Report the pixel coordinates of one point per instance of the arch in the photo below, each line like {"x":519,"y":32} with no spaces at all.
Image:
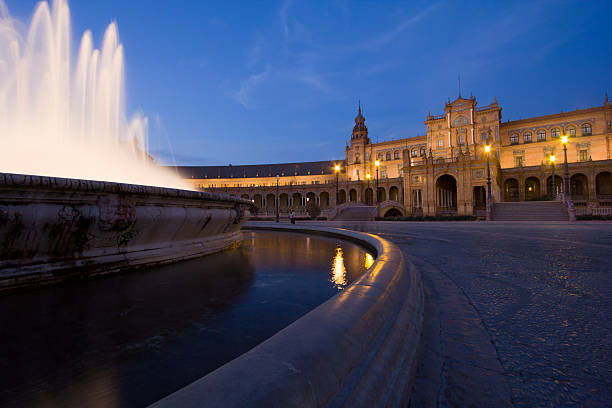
{"x":603,"y":183}
{"x":369,"y":196}
{"x":311,"y":198}
{"x":393,"y":212}
{"x":532,"y":189}
{"x":414,"y":152}
{"x":341,"y":197}
{"x":511,"y":190}
{"x":382,"y":194}
{"x":296,"y":200}
{"x":257,"y":200}
{"x":394,"y":193}
{"x":460,"y":121}
{"x":283,"y":202}
{"x":324,"y":200}
{"x":446,"y":194}
{"x":270,"y":201}
{"x":579,"y":185}
{"x":527,"y":137}
{"x":480,"y":198}
{"x":558,"y":186}
{"x":541,"y":135}
{"x":514,"y":138}
{"x":352,"y":195}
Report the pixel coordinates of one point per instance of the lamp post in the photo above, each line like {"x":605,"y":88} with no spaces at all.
{"x":568,"y":194}
{"x":368,"y":176}
{"x":277,"y":202}
{"x":489,"y":194}
{"x":377,"y":164}
{"x":337,"y":169}
{"x":552,"y":159}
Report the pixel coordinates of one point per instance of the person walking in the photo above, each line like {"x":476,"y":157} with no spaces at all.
{"x":292,"y":217}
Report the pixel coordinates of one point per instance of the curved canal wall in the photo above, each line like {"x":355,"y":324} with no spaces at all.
{"x":359,"y":348}
{"x":53,"y":229}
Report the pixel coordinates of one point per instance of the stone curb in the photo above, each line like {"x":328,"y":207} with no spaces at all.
{"x":359,"y":348}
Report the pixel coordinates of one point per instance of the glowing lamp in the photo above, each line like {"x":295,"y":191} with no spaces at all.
{"x":564,"y":139}
{"x":337,"y":168}
{"x":487,"y":148}
{"x":552,"y":158}
{"x":377,"y":163}
{"x":368,"y":176}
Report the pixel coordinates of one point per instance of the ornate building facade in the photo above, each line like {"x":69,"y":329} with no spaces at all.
{"x":442,"y":172}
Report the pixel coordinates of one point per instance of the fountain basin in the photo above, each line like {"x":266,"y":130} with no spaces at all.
{"x":53,"y":229}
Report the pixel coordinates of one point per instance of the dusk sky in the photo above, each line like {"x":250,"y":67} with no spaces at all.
{"x":270,"y":82}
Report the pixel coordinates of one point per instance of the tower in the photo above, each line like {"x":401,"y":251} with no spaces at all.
{"x":360,"y":131}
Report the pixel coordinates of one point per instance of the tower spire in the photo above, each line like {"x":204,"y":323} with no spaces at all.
{"x":360,"y":107}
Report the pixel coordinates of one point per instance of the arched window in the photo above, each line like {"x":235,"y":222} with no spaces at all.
{"x":396,"y":155}
{"x":527,"y":137}
{"x":388,"y":156}
{"x":423,"y":151}
{"x":587,"y":130}
{"x":554,"y":133}
{"x":541,"y":135}
{"x":357,"y":158}
{"x":414,"y":153}
{"x":379,"y":156}
{"x":460,"y":121}
{"x":514,"y":139}
{"x":571,"y":130}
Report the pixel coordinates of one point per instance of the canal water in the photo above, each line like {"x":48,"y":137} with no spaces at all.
{"x":128,"y":340}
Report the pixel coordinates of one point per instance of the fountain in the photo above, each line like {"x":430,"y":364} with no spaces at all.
{"x":79,"y":194}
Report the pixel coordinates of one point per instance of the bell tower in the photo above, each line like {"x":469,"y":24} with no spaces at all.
{"x":360,"y":131}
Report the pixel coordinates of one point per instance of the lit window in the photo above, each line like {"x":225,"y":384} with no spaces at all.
{"x":388,"y":156}
{"x":396,"y":155}
{"x":554,"y":133}
{"x":583,"y":155}
{"x":541,"y":136}
{"x":527,"y":137}
{"x":514,"y":139}
{"x":571,"y":131}
{"x":414,"y":153}
{"x":423,"y":151}
{"x":587,"y":130}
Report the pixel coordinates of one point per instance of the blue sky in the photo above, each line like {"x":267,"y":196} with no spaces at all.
{"x":279,"y":81}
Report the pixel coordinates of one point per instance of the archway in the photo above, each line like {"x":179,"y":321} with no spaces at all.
{"x":603,"y":183}
{"x":341,"y":197}
{"x":270,"y":202}
{"x":297,"y":200}
{"x":579,"y":186}
{"x":311,"y":198}
{"x":558,"y":186}
{"x":394,"y":193}
{"x":324,"y":200}
{"x":257,"y":200}
{"x":393,"y":212}
{"x":480,"y":198}
{"x":369,"y":196}
{"x":283,"y":202}
{"x":382,"y":194}
{"x":532,"y":189}
{"x":511,"y":190}
{"x":446,"y":193}
{"x":352,"y":195}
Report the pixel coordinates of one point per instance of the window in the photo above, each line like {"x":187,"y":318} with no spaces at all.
{"x":388,"y":156}
{"x":610,"y":125}
{"x":483,"y":137}
{"x":423,"y":151}
{"x":484,"y":118}
{"x":583,"y":155}
{"x":527,"y":137}
{"x":414,"y":153}
{"x":383,"y":172}
{"x":461,"y":140}
{"x":571,"y":131}
{"x":357,"y":158}
{"x":514,"y":139}
{"x":367,"y":157}
{"x":554,"y":133}
{"x":460,"y":121}
{"x":396,"y":155}
{"x":380,"y":156}
{"x":518,"y":161}
{"x":541,"y":136}
{"x":440,"y":142}
{"x":587,"y":130}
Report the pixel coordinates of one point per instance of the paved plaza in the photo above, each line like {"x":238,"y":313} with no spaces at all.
{"x":517,"y":314}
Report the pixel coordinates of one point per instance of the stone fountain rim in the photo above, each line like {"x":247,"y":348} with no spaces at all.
{"x":30,"y":181}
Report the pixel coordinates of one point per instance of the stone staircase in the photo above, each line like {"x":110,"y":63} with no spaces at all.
{"x":357,"y":213}
{"x":530,"y":211}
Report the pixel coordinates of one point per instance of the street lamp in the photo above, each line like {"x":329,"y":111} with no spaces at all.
{"x":567,"y":180}
{"x":368,"y":177}
{"x":487,"y":149}
{"x":552,"y":159}
{"x":337,"y":169}
{"x":277,"y":202}
{"x":377,"y":164}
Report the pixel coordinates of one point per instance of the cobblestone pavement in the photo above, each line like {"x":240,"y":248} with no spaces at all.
{"x":517,"y":313}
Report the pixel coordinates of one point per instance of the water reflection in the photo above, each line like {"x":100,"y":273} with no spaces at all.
{"x":369,"y":260}
{"x":338,"y":272}
{"x":96,"y":343}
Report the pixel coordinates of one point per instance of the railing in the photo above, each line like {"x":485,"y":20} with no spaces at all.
{"x":436,"y":117}
{"x":601,"y":211}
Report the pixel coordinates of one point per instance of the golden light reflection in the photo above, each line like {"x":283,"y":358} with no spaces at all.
{"x":369,"y":260}
{"x":338,"y":272}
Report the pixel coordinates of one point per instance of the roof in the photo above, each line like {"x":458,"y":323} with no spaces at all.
{"x":259,"y":170}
